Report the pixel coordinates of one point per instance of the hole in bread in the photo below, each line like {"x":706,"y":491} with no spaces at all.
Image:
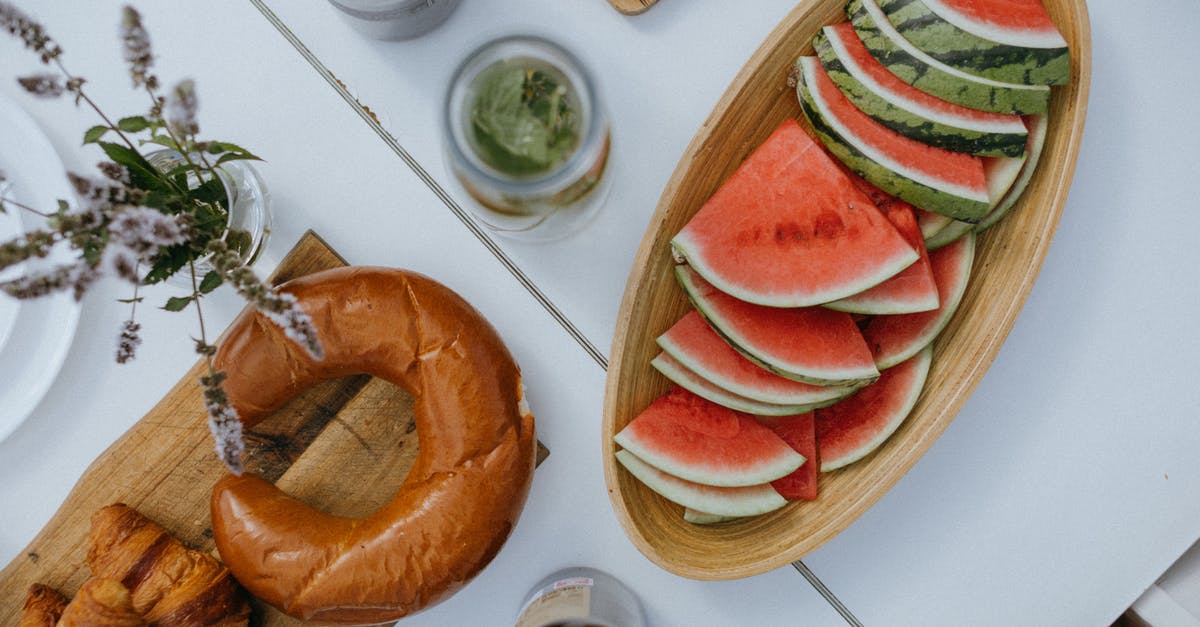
{"x":344,"y":446}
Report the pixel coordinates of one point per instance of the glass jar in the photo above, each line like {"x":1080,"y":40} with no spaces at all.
{"x":527,"y":138}
{"x":581,"y":597}
{"x":249,"y":204}
{"x":394,"y":19}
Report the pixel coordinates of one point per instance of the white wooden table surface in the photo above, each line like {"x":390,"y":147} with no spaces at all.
{"x":1067,"y":484}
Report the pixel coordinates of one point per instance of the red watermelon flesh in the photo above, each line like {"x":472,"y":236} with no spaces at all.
{"x":910,"y":291}
{"x":693,"y":343}
{"x":811,"y":344}
{"x":698,"y":385}
{"x":695,"y":439}
{"x":787,"y":229}
{"x":894,"y":339}
{"x":799,"y":431}
{"x":853,"y":428}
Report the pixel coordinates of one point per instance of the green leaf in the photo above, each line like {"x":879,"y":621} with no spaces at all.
{"x":130,"y":301}
{"x":177,"y":303}
{"x":63,"y":206}
{"x":94,"y":134}
{"x":236,"y":156}
{"x":210,"y":191}
{"x":162,"y":140}
{"x":141,"y":173}
{"x":168,"y":261}
{"x":211,"y":281}
{"x":133,"y":124}
{"x":216,"y":148}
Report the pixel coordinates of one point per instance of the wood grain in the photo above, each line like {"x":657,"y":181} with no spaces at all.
{"x":344,"y":446}
{"x":632,"y":7}
{"x":1007,"y":262}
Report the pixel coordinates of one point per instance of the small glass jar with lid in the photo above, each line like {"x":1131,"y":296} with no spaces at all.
{"x":527,"y":138}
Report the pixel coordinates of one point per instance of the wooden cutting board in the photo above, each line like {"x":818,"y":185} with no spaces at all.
{"x":344,"y":447}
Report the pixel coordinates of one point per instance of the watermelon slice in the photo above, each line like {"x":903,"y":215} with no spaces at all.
{"x":719,"y":501}
{"x":697,"y":517}
{"x":1006,"y":40}
{"x":697,"y":347}
{"x":787,"y":229}
{"x":810,"y":344}
{"x":695,"y":439}
{"x":908,"y":110}
{"x":855,"y":427}
{"x":799,"y":431}
{"x":949,"y":183}
{"x":894,"y":339}
{"x":1037,"y":139}
{"x":698,"y":385}
{"x":1001,"y":173}
{"x":933,"y":77}
{"x":910,"y":291}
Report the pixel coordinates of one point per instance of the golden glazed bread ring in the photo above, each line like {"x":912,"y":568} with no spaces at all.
{"x":466,"y":488}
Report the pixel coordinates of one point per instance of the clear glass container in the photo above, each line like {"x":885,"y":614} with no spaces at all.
{"x":527,"y":138}
{"x":249,"y":205}
{"x":394,"y":19}
{"x":580,"y":597}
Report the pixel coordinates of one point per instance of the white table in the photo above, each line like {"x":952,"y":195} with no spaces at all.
{"x":1066,"y":485}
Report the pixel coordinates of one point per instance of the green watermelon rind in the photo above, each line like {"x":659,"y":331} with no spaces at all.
{"x":743,"y":346}
{"x":973,"y":53}
{"x":924,"y":358}
{"x":931,"y":223}
{"x":728,"y":501}
{"x":905,"y":117}
{"x":948,"y":235}
{"x":914,"y":192}
{"x":933,"y":77}
{"x":698,"y":385}
{"x":1002,"y":178}
{"x":1037,"y":142}
{"x":818,"y":397}
{"x":953,"y":300}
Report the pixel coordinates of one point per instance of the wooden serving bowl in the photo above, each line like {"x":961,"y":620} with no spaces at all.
{"x":1007,"y":261}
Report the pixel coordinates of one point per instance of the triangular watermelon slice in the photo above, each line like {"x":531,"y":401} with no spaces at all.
{"x":698,"y":385}
{"x":910,"y":291}
{"x":787,"y":229}
{"x":851,"y":429}
{"x":800,"y":432}
{"x":811,"y":344}
{"x":894,"y":339}
{"x":718,"y":501}
{"x":695,"y":439}
{"x":695,"y":345}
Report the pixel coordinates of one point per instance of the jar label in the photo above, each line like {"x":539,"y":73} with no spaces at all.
{"x":561,"y":600}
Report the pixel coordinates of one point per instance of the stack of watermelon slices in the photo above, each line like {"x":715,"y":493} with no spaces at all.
{"x":775,"y":382}
{"x":821,"y":276}
{"x":941,"y":103}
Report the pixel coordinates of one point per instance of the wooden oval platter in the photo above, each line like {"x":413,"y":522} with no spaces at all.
{"x":1007,"y":261}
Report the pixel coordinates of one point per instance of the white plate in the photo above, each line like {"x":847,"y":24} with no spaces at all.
{"x":35,"y":335}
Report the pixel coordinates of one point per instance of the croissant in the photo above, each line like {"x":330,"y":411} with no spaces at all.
{"x":101,"y":602}
{"x":43,"y":607}
{"x":169,"y":583}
